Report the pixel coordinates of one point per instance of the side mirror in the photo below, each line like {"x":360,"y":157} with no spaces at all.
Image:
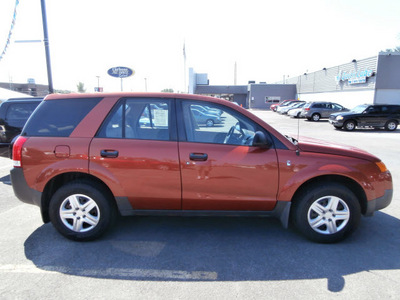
{"x":260,"y":140}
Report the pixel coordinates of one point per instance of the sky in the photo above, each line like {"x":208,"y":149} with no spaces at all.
{"x":266,"y":39}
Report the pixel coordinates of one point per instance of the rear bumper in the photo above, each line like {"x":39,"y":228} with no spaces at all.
{"x":379,"y":203}
{"x":22,"y":189}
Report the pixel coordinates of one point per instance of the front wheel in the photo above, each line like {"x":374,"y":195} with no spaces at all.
{"x":82,"y":210}
{"x":350,"y":125}
{"x":326,"y":213}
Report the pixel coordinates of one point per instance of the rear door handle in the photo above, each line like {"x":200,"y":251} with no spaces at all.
{"x":198,"y":156}
{"x":109,"y":153}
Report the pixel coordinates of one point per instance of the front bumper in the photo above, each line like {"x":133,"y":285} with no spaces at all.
{"x":336,"y":123}
{"x":379,"y":203}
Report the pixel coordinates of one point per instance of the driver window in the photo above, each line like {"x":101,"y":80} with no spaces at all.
{"x":210,"y":123}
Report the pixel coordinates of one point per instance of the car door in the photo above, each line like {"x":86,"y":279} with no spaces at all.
{"x":136,"y":153}
{"x":372,"y":116}
{"x":220,"y":169}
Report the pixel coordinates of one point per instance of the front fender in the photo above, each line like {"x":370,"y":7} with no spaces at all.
{"x":295,"y":170}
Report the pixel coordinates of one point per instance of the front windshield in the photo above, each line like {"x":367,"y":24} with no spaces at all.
{"x":359,"y":109}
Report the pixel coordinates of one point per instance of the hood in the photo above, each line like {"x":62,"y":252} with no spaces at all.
{"x":344,"y":113}
{"x":313,"y":145}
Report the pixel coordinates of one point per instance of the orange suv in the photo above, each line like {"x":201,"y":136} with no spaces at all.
{"x":84,"y":159}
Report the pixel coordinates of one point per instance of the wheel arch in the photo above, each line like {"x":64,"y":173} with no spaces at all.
{"x":348,"y":182}
{"x":55,"y":183}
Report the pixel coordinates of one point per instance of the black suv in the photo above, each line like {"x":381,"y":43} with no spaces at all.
{"x":13,"y":115}
{"x":367,"y":115}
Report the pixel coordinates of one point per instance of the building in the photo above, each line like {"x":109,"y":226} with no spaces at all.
{"x":371,"y":80}
{"x":30,"y":88}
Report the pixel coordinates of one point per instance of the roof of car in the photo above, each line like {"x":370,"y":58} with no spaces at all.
{"x":130,"y":94}
{"x":25,"y":99}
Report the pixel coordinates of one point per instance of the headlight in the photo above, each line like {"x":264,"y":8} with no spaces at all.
{"x":338,"y":118}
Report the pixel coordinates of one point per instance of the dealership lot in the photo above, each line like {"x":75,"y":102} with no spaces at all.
{"x":203,"y":258}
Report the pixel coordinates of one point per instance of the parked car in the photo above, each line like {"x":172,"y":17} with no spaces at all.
{"x":283,"y":110}
{"x":367,"y":115}
{"x":207,"y":110}
{"x":274,"y":107}
{"x":282,"y":104}
{"x":13,"y":115}
{"x":295,"y":112}
{"x":320,"y":110}
{"x":205,"y":118}
{"x":270,"y":102}
{"x":85,"y":158}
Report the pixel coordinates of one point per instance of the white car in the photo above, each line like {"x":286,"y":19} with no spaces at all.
{"x":284,"y":109}
{"x":295,"y":112}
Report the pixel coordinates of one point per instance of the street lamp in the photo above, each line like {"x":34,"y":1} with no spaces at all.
{"x":98,"y":83}
{"x":46,"y":47}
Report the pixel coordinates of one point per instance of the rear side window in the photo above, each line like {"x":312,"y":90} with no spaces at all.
{"x":18,"y":113}
{"x":394,"y":109}
{"x":142,"y":119}
{"x":58,"y":118}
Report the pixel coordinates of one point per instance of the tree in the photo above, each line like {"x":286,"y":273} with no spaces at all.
{"x":81,"y":87}
{"x":167,"y":91}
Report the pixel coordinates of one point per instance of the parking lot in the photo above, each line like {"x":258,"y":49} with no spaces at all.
{"x":206,"y":258}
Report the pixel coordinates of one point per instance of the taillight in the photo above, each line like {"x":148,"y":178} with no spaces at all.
{"x":307,"y":109}
{"x":17,"y":151}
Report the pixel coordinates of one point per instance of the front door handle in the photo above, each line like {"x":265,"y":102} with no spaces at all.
{"x":198,"y":156}
{"x":109,"y":153}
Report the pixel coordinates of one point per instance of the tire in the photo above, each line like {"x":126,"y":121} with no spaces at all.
{"x":209,"y":123}
{"x":316,"y":117}
{"x":82,"y":210}
{"x":326,"y":213}
{"x":350,"y":125}
{"x":391,"y":125}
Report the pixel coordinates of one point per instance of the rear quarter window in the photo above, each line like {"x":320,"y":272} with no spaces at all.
{"x":59,"y":118}
{"x":394,"y":109}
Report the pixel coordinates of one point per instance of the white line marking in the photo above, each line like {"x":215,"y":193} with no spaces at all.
{"x":111,"y":272}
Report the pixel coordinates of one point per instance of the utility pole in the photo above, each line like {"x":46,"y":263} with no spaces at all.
{"x":46,"y":47}
{"x":185,"y":88}
{"x":235,"y":74}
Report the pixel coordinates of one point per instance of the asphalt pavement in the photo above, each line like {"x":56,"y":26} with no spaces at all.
{"x":206,"y":258}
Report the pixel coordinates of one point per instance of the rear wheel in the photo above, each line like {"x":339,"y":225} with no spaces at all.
{"x":316,"y":117}
{"x":391,"y":125}
{"x":209,"y":123}
{"x":350,"y":125}
{"x":82,"y":210}
{"x":326,"y":213}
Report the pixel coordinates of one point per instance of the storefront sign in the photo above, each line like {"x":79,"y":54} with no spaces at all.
{"x":354,"y":77}
{"x":120,"y":72}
